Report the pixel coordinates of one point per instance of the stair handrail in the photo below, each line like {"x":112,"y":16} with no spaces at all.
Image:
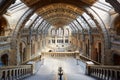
{"x":105,"y":72}
{"x":88,"y":59}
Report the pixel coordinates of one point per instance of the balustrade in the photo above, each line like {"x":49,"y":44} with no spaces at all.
{"x":104,"y":72}
{"x":5,"y":46}
{"x":5,"y":42}
{"x":115,"y":45}
{"x":88,"y":59}
{"x":5,"y":38}
{"x":15,"y":72}
{"x":59,"y":54}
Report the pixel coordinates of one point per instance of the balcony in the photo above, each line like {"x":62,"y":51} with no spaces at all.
{"x":117,"y":38}
{"x":115,"y":44}
{"x":5,"y":38}
{"x":5,"y":42}
{"x":4,"y":45}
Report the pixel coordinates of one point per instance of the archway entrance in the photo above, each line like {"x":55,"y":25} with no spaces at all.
{"x":4,"y":59}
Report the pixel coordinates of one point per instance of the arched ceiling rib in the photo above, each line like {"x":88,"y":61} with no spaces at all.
{"x":60,"y":9}
{"x":59,"y":14}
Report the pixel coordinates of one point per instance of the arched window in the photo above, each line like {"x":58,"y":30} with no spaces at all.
{"x":53,"y":32}
{"x":4,"y":59}
{"x":66,"y":32}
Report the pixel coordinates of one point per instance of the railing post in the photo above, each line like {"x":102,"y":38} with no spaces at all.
{"x":88,"y":72}
{"x":118,"y":74}
{"x":115,"y":75}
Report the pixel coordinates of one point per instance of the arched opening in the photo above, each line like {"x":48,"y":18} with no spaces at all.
{"x":96,"y":55}
{"x":4,"y":59}
{"x":116,"y":59}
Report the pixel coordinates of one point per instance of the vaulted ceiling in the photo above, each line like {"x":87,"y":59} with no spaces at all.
{"x":59,"y":12}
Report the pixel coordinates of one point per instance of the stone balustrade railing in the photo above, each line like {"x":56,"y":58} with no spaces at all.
{"x":5,"y":42}
{"x":83,"y":58}
{"x":59,"y":54}
{"x":115,"y":45}
{"x":4,"y":46}
{"x":117,"y":38}
{"x":15,"y":72}
{"x":104,"y":72}
{"x":5,"y":38}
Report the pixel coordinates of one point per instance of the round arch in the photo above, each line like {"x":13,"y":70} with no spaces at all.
{"x":5,"y":59}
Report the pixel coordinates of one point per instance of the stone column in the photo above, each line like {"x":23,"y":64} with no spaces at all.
{"x":18,"y":52}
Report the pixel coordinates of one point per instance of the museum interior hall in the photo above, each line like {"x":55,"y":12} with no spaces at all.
{"x":59,"y":39}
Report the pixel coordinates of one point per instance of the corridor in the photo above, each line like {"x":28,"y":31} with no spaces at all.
{"x":48,"y":69}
